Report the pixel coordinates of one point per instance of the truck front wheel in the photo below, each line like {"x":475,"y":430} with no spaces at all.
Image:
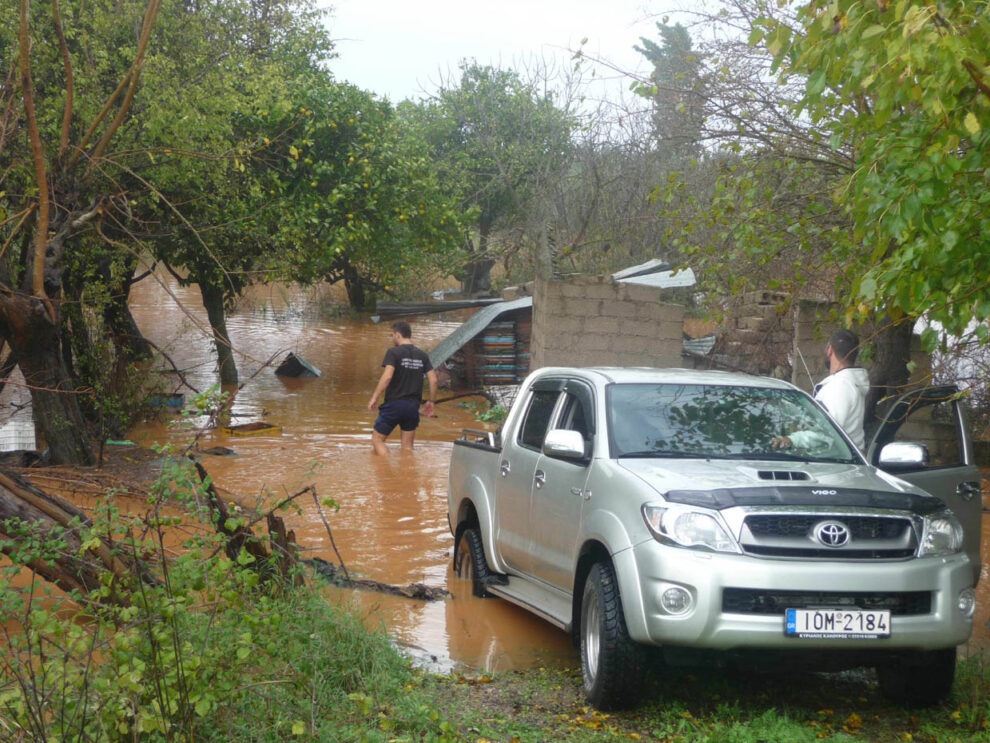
{"x":920,"y":679}
{"x":611,"y":663}
{"x":470,"y":563}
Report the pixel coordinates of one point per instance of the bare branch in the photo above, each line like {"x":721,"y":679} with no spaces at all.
{"x":135,"y":76}
{"x":40,"y":171}
{"x":67,"y":113}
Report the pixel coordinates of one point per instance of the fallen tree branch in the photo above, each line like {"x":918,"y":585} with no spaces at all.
{"x":334,"y":575}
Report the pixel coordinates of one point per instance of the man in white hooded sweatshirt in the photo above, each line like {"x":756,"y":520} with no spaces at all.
{"x":842,"y":393}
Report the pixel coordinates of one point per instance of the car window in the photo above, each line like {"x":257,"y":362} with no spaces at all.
{"x":932,"y":423}
{"x":719,"y":421}
{"x":534,"y":427}
{"x":574,"y":418}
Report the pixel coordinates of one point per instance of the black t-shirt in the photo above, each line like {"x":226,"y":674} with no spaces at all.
{"x":411,"y":365}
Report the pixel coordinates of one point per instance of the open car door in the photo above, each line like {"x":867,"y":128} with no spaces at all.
{"x":934,"y":419}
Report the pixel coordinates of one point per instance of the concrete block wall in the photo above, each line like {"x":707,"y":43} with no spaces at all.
{"x":595,"y":321}
{"x":758,"y":337}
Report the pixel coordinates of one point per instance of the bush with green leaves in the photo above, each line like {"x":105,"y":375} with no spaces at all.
{"x":201,"y":648}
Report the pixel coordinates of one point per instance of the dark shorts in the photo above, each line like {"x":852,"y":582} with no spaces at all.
{"x":401,"y":413}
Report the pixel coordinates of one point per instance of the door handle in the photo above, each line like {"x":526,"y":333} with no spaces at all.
{"x":968,"y":490}
{"x":540,"y":478}
{"x":504,"y":467}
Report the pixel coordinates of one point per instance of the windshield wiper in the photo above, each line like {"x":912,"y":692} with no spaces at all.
{"x":654,"y":454}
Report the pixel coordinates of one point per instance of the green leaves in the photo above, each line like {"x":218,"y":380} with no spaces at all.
{"x":910,"y":101}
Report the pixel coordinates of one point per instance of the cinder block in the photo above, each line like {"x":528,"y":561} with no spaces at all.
{"x":751,"y":323}
{"x":583,"y":307}
{"x":570,"y":324}
{"x":640,"y":328}
{"x":621,"y":309}
{"x":765,"y":296}
{"x":599,"y":324}
{"x":637,"y":293}
{"x":602,"y":291}
{"x":511,"y":293}
{"x":588,"y":342}
{"x":748,"y":337}
{"x":672,"y":330}
{"x":629,"y":344}
{"x":572,"y":289}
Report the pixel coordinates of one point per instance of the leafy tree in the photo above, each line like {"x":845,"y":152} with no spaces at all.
{"x":677,"y":90}
{"x":359,"y":197}
{"x":499,"y":142}
{"x":883,"y":109}
{"x":907,"y":86}
{"x":66,"y":99}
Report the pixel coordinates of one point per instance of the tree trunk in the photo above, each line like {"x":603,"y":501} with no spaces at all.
{"x":889,"y":374}
{"x":356,"y":295}
{"x":478,"y":269}
{"x":213,"y":301}
{"x":25,"y":510}
{"x":127,"y":337}
{"x":35,"y":342}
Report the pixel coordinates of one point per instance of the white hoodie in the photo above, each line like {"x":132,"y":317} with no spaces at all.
{"x":843,"y":395}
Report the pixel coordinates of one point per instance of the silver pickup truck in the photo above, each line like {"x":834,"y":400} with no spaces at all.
{"x":647,"y":507}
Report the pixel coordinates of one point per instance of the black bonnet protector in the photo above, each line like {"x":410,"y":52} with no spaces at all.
{"x":806,"y":496}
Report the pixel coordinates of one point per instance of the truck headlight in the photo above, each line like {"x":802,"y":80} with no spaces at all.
{"x":943,"y":535}
{"x":684,"y":527}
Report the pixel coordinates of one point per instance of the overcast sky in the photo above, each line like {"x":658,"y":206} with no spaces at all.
{"x":401,"y":48}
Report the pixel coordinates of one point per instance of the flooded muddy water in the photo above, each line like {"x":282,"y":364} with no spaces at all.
{"x":391,"y":525}
{"x":392,"y":522}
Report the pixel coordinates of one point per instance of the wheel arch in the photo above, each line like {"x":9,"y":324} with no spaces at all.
{"x":591,"y":552}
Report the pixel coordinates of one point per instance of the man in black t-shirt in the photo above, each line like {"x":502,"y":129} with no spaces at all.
{"x":402,"y":383}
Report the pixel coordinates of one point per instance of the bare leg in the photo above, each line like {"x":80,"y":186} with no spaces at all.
{"x":378,"y":442}
{"x":408,"y":439}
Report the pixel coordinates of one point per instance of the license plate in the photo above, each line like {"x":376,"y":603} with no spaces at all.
{"x":834,"y":624}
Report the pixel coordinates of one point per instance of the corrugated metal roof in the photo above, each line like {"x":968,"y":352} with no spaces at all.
{"x":651,"y":266}
{"x":663,"y":279}
{"x":474,"y":325}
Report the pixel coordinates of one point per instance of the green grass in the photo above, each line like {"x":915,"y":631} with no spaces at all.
{"x":708,"y":705}
{"x":322,"y":676}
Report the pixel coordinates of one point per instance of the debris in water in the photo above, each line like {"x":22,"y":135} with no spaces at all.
{"x":334,"y":575}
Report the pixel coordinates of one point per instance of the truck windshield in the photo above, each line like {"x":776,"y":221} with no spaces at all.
{"x":719,"y":422}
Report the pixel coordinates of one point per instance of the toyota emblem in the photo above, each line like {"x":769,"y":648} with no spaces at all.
{"x":832,"y":534}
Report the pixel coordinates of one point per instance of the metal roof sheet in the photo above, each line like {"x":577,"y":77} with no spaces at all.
{"x":474,"y":325}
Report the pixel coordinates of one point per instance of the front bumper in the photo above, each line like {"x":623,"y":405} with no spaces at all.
{"x":649,"y":568}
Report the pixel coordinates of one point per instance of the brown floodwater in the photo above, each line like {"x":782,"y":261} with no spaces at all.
{"x":392,"y":524}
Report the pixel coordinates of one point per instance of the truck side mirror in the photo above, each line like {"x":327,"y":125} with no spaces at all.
{"x":564,"y":444}
{"x":903,"y":455}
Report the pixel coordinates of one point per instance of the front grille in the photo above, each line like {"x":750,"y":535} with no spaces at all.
{"x":868,"y":537}
{"x":759,"y":601}
{"x":824,"y":553}
{"x":861,"y":527}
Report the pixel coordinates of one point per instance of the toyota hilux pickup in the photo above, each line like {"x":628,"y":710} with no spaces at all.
{"x":648,"y":507}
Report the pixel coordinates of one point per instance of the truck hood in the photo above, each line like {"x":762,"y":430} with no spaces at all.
{"x":723,"y":484}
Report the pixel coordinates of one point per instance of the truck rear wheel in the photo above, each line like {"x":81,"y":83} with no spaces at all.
{"x":918,"y":680}
{"x":470,"y":563}
{"x":611,"y":663}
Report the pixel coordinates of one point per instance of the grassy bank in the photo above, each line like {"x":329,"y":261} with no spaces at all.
{"x":705,"y":705}
{"x":214,"y":648}
{"x":295,"y":668}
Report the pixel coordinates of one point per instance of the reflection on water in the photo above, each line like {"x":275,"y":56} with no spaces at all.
{"x":392,"y":522}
